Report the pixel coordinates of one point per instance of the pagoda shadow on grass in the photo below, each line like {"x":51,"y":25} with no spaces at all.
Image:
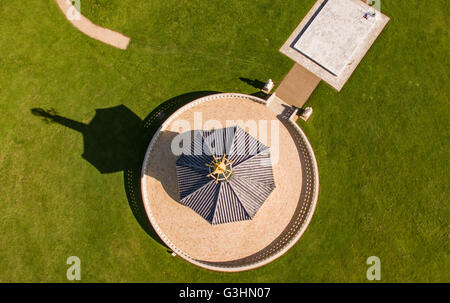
{"x":225,"y":175}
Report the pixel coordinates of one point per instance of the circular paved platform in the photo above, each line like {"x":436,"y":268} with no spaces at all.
{"x":242,"y":245}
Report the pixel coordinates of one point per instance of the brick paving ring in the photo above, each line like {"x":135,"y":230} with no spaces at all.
{"x":280,"y":221}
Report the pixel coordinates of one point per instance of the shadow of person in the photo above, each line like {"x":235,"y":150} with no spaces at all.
{"x":116,"y":140}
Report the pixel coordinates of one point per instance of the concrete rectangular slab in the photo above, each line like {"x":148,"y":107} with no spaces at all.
{"x":334,"y":34}
{"x":333,"y":38}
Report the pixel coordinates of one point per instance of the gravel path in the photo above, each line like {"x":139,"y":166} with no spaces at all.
{"x":90,"y":29}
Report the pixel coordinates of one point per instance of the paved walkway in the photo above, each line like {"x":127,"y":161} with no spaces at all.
{"x":90,"y":29}
{"x":281,"y":108}
{"x":297,"y":86}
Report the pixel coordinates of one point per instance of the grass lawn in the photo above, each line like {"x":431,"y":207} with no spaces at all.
{"x":382,"y":143}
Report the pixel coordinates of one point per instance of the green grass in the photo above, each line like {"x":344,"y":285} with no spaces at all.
{"x":382,"y":143}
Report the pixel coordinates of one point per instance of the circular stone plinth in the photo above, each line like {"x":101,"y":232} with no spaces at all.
{"x":280,"y":221}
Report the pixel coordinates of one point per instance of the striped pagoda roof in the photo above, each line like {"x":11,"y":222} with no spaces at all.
{"x":247,"y":178}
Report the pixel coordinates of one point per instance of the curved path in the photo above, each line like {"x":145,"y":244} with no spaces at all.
{"x":90,"y":29}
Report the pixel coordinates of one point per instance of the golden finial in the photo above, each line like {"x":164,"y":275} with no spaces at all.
{"x":220,"y":169}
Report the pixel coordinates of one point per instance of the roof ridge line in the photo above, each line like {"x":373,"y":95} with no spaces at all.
{"x":237,"y":197}
{"x":197,"y":190}
{"x":213,"y":130}
{"x":255,"y":155}
{"x":242,"y":203}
